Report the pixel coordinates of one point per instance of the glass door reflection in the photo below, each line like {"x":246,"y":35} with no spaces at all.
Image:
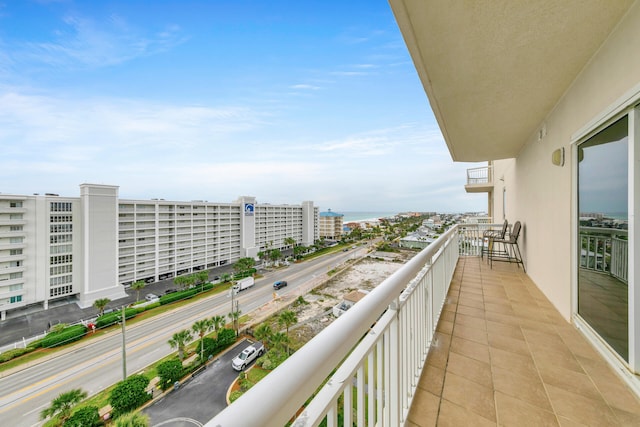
{"x":603,"y":293}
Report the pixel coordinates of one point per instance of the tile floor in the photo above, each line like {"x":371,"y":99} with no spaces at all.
{"x":504,"y":356}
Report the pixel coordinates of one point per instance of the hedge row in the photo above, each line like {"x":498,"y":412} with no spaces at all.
{"x":116,"y":316}
{"x":244,"y":274}
{"x":213,"y":346}
{"x":180,"y":295}
{"x":65,"y":336}
{"x":10,"y":354}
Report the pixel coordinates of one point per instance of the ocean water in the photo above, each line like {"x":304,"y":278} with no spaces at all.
{"x":361,"y":216}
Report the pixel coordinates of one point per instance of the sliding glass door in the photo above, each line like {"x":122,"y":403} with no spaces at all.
{"x":603,"y":255}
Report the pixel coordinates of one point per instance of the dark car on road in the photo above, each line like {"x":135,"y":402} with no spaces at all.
{"x":279,"y":284}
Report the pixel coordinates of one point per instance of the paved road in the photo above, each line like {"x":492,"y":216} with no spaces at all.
{"x":33,"y":321}
{"x":201,"y":398}
{"x":96,"y":365}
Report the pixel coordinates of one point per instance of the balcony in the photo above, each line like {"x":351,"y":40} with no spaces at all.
{"x":446,"y":340}
{"x":479,"y":180}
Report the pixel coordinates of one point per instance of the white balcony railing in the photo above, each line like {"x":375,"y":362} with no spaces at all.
{"x":376,"y":350}
{"x":605,"y":250}
{"x":481,"y":175}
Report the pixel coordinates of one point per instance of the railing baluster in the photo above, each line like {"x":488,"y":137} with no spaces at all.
{"x":361,"y":391}
{"x":372,"y":386}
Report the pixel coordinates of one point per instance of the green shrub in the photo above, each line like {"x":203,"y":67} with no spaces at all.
{"x":225,"y":338}
{"x":129,"y":394}
{"x":169,"y":372}
{"x":234,"y":395}
{"x":16,"y":352}
{"x":65,"y":336}
{"x":89,"y":416}
{"x":151,"y":306}
{"x":244,"y":274}
{"x":115,"y":316}
{"x":209,"y":345}
{"x":177,"y":296}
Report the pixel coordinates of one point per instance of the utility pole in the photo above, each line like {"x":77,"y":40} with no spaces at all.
{"x":124,"y":349}
{"x":236,"y":317}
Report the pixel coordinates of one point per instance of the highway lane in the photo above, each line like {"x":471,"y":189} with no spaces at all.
{"x":97,"y":365}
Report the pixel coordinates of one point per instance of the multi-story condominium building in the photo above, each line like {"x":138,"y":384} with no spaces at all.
{"x":92,"y":246}
{"x":331,"y":225}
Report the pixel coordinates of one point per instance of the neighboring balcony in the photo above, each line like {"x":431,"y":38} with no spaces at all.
{"x":479,"y":180}
{"x":446,"y":340}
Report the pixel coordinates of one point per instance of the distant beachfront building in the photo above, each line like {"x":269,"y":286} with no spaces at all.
{"x":331,"y":225}
{"x":90,"y":247}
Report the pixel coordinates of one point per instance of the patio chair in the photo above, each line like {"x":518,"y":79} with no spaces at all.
{"x":511,"y":250}
{"x":488,"y":237}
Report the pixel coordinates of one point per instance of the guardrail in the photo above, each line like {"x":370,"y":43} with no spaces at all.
{"x":605,"y":250}
{"x":481,"y":175}
{"x":376,"y":352}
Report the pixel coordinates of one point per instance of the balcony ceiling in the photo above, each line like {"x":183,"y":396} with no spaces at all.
{"x":493,"y":70}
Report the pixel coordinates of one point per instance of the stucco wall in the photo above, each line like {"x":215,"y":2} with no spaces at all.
{"x":539,"y":194}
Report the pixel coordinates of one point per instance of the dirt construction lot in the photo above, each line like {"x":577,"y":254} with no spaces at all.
{"x":365,"y":275}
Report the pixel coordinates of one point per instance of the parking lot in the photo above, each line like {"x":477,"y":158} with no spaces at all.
{"x":200,"y":398}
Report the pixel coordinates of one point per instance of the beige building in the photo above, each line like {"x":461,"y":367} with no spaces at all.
{"x":548,"y":92}
{"x":331,"y":225}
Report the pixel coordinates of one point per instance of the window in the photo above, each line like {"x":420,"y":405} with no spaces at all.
{"x":60,"y":259}
{"x":17,"y":298}
{"x":16,"y":240}
{"x":61,"y":249}
{"x":62,"y":290}
{"x":15,"y":216}
{"x":15,"y":252}
{"x":60,"y":269}
{"x":60,"y":280}
{"x":15,"y":264}
{"x":60,"y":238}
{"x":17,"y":275}
{"x":15,"y":204}
{"x":15,"y":287}
{"x":61,"y":207}
{"x":61,"y":228}
{"x":15,"y":228}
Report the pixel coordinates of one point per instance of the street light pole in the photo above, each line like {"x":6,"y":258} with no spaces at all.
{"x":124,"y":350}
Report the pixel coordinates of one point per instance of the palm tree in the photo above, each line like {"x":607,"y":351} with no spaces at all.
{"x":218,"y":322}
{"x":201,"y":327}
{"x":180,"y":340}
{"x":137,"y":286}
{"x":263,"y":332}
{"x":277,"y":340}
{"x":225,"y":277}
{"x":234,"y":316}
{"x":132,"y":419}
{"x":100,"y":304}
{"x":180,"y":281}
{"x":202,"y":277}
{"x":63,"y":404}
{"x":287,"y":318}
{"x":290,"y":241}
{"x":189,"y":280}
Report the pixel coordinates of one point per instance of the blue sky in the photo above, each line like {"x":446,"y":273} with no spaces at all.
{"x":282,"y":100}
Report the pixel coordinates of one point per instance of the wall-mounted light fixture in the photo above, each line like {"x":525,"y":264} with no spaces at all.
{"x":557,"y":157}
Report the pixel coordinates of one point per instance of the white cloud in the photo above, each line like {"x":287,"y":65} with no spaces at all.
{"x":305,"y":87}
{"x":81,"y":42}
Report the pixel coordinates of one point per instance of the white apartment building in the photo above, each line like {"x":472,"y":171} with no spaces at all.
{"x":92,"y":246}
